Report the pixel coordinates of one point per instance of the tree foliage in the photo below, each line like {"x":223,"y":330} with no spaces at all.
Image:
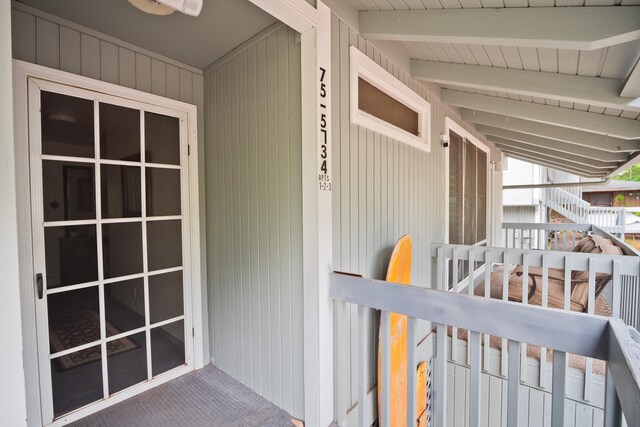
{"x":631,"y":174}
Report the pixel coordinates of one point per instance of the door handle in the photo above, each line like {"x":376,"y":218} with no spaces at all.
{"x":39,"y":285}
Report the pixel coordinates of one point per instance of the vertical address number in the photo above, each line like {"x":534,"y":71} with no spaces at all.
{"x":324,"y":180}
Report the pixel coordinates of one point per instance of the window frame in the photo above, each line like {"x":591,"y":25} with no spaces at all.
{"x":365,"y":68}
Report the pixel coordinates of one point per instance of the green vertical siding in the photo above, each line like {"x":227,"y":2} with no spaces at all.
{"x":254,"y":216}
{"x":382,"y":189}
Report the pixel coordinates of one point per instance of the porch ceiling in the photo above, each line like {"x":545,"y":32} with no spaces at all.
{"x":196,"y":41}
{"x":554,"y":85}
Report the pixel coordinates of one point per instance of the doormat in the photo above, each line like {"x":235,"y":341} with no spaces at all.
{"x":71,"y":330}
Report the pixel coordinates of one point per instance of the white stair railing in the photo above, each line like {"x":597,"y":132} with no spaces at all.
{"x":611,"y":219}
{"x":566,"y":204}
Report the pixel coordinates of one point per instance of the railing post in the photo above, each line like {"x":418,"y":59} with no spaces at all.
{"x":513,"y":383}
{"x":474,"y":381}
{"x":440,"y":392}
{"x":411,"y":372}
{"x":362,"y":367}
{"x":558,"y":388}
{"x":385,"y":399}
{"x":612,"y":408}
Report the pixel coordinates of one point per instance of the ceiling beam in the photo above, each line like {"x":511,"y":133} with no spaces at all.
{"x":632,"y":82}
{"x":557,"y":146}
{"x":584,"y":28}
{"x":605,"y":147}
{"x":635,"y":159}
{"x":572,"y":159}
{"x":595,"y":91}
{"x":558,"y":166}
{"x":534,"y":149}
{"x":559,"y":116}
{"x":555,"y":161}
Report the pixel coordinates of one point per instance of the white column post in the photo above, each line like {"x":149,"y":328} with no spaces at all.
{"x":12,"y":395}
{"x":316,"y":215}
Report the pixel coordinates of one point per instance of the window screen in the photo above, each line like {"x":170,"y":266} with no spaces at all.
{"x":470,"y":193}
{"x":482,"y":195}
{"x":456,"y":147}
{"x":467,"y":192}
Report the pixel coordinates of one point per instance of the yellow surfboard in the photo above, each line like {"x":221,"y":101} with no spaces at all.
{"x":399,"y":271}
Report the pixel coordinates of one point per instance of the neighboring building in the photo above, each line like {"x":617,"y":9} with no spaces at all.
{"x":614,"y":193}
{"x":528,"y":204}
{"x":522,"y":205}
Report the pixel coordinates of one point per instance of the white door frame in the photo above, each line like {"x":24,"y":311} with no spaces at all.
{"x":314,"y":25}
{"x":22,"y":71}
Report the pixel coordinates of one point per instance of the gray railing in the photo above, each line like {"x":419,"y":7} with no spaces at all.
{"x":565,"y":332}
{"x":625,"y":301}
{"x":565,"y":263}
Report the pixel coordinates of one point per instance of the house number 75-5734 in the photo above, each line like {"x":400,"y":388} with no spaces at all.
{"x":324,"y":180}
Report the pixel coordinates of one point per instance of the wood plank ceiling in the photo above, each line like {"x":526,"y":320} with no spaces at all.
{"x":556,"y":82}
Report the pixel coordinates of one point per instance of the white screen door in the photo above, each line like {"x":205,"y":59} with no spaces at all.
{"x":109,"y":195}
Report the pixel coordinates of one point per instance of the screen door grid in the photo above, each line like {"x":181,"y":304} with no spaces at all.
{"x":113,"y":246}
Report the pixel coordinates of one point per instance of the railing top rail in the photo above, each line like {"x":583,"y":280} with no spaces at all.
{"x":564,"y":226}
{"x":624,"y":363}
{"x":606,"y":208}
{"x":603,"y":263}
{"x":581,"y":334}
{"x":568,"y":197}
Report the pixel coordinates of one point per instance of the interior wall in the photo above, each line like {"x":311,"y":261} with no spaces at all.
{"x":382,"y":189}
{"x":254,"y":223}
{"x":44,"y":39}
{"x":12,"y":398}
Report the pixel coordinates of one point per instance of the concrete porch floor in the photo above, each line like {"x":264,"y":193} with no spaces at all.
{"x":205,"y":398}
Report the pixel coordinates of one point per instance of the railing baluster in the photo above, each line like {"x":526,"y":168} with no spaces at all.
{"x":558,"y":388}
{"x":505,"y":296}
{"x":470,"y":290}
{"x":567,"y":284}
{"x":362,"y":368}
{"x":522,"y":238}
{"x":617,"y":287}
{"x":487,"y":294}
{"x":591,"y":303}
{"x":513,"y":383}
{"x":474,"y":381}
{"x":545,"y":299}
{"x":454,"y":330}
{"x":525,"y":300}
{"x":440,"y":269}
{"x":411,"y":372}
{"x":385,"y":399}
{"x":440,"y":392}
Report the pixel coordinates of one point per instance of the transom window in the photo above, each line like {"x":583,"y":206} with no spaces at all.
{"x":384,"y":104}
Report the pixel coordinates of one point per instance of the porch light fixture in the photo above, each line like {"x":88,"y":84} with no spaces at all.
{"x":167,"y":7}
{"x":152,"y":7}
